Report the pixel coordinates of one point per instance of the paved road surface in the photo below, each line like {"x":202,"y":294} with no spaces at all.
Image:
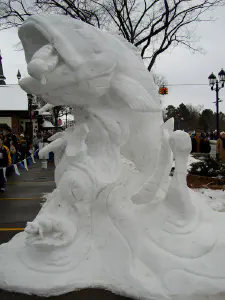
{"x":213,"y":150}
{"x":85,"y":294}
{"x":21,"y":202}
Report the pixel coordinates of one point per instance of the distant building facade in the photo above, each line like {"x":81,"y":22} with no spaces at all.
{"x":14,"y":106}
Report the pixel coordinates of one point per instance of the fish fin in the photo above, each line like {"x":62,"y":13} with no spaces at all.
{"x":168,"y":125}
{"x":168,"y":128}
{"x":56,"y":144}
{"x":77,"y":144}
{"x":151,"y":187}
{"x":55,"y":136}
{"x":134,"y":94}
{"x":128,"y":44}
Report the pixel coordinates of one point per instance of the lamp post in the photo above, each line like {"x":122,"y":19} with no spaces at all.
{"x":30,"y":103}
{"x":216,"y":86}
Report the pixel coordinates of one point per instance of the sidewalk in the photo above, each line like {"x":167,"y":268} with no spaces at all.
{"x":21,"y":202}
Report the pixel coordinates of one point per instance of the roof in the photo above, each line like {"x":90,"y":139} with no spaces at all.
{"x":5,"y":126}
{"x":46,"y":113}
{"x":13,"y":98}
{"x":47,"y":124}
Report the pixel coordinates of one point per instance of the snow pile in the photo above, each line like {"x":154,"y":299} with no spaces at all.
{"x":214,"y":198}
{"x":192,"y":160}
{"x":47,"y":124}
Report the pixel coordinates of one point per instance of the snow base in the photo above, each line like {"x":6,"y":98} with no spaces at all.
{"x":110,"y":258}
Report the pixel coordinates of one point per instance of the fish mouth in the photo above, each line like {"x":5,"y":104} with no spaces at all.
{"x":40,"y":42}
{"x":33,"y":37}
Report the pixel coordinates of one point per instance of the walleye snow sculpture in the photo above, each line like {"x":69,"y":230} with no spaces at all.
{"x":115,"y":220}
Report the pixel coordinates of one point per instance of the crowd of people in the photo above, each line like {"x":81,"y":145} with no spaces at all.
{"x":15,"y":148}
{"x":220,"y":147}
{"x":200,"y":142}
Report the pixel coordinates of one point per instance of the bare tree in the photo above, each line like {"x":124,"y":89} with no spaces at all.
{"x":152,"y":26}
{"x":40,"y":102}
{"x":194,"y":113}
{"x":14,"y":12}
{"x":159,"y":80}
{"x":56,"y":112}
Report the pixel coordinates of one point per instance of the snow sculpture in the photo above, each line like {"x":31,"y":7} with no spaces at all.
{"x":115,"y":220}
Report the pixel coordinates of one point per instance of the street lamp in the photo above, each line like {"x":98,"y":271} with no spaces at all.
{"x":222,"y":76}
{"x":213,"y":81}
{"x":30,"y":102}
{"x":30,"y":105}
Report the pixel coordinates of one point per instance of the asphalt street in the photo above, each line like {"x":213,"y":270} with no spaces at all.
{"x":213,"y":150}
{"x":21,"y":201}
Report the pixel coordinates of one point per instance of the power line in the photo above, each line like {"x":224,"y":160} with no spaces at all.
{"x":179,"y":84}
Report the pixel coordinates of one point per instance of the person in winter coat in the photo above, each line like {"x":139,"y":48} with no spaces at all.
{"x":196,"y":143}
{"x":22,"y":148}
{"x":205,"y":145}
{"x":8,"y":137}
{"x":220,"y":147}
{"x":200,"y":143}
{"x":12,"y":149}
{"x":5,"y":160}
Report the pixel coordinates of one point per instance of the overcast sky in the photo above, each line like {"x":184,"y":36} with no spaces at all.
{"x":179,"y":66}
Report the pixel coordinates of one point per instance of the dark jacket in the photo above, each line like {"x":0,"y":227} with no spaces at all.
{"x":10,"y":137}
{"x":4,"y":160}
{"x":196,"y":144}
{"x":204,"y":146}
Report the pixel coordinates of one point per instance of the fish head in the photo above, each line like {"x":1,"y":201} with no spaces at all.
{"x":68,"y":61}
